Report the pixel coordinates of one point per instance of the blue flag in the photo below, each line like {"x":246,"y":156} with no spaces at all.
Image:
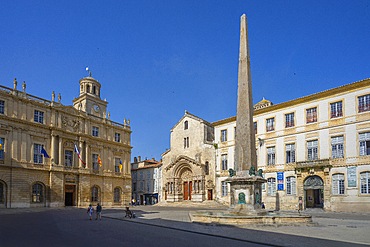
{"x":43,"y":151}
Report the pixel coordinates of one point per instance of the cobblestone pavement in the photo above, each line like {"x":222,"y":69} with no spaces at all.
{"x":347,"y":229}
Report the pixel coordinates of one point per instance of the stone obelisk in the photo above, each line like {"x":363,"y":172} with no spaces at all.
{"x":245,"y":186}
{"x":245,"y":146}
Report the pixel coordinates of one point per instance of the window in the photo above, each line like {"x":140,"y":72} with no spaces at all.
{"x":186,"y":125}
{"x":95,"y":164}
{"x":117,"y":195}
{"x":95,"y":194}
{"x":68,"y":158}
{"x":95,"y":131}
{"x":38,"y":116}
{"x":37,"y":155}
{"x":271,"y":186}
{"x":290,"y":185}
{"x":117,"y":162}
{"x":365,"y":182}
{"x":311,"y":115}
{"x":2,"y":148}
{"x":312,"y":150}
{"x":186,"y":142}
{"x":224,"y":162}
{"x":255,"y":127}
{"x":289,"y":120}
{"x":338,"y":184}
{"x":270,"y":124}
{"x":2,"y":106}
{"x":223,"y":135}
{"x":290,"y":153}
{"x":117,"y":137}
{"x":270,"y":156}
{"x":37,"y":193}
{"x":364,"y":143}
{"x":336,"y":109}
{"x":134,"y":187}
{"x":206,"y":168}
{"x":94,"y":89}
{"x":364,"y":103}
{"x":223,"y":188}
{"x":337,"y":147}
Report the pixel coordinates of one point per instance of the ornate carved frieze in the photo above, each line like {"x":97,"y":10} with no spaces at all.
{"x":71,"y":124}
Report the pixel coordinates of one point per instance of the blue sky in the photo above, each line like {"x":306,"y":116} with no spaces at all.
{"x":156,"y":59}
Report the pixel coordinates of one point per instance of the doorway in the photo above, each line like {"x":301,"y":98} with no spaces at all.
{"x":69,"y":195}
{"x":188,"y":186}
{"x":210,"y":195}
{"x":314,"y":192}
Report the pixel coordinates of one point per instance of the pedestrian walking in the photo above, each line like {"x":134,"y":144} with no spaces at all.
{"x":90,"y":211}
{"x":98,"y":211}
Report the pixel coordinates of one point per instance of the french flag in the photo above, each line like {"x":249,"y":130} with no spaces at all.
{"x":79,"y":156}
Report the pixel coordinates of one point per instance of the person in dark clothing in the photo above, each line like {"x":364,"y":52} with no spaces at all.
{"x":98,"y":211}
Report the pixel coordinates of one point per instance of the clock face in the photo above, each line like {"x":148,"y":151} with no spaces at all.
{"x":96,"y":108}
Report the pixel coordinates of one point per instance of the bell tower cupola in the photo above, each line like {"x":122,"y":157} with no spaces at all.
{"x":89,"y":100}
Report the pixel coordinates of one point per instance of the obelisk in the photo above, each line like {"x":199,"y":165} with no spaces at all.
{"x":245,"y":146}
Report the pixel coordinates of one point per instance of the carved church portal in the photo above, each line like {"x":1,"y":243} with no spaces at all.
{"x":314,"y":192}
{"x":186,"y":178}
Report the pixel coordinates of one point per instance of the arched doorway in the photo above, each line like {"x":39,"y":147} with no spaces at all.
{"x":2,"y":194}
{"x":314,"y":192}
{"x":187,"y":183}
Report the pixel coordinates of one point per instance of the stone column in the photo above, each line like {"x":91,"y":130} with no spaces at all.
{"x":60,"y":151}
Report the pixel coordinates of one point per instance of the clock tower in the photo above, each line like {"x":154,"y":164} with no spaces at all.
{"x":89,"y":99}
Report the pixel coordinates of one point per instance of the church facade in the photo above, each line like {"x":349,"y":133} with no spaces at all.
{"x":53,"y":155}
{"x":315,"y":148}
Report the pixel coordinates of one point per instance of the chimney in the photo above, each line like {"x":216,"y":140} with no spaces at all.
{"x":139,"y":158}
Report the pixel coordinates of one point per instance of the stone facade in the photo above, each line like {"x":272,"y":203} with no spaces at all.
{"x":53,"y":155}
{"x":316,"y":147}
{"x":188,"y":166}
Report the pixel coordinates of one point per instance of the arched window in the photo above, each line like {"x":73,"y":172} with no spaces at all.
{"x":117,"y":195}
{"x":95,"y":194}
{"x":186,"y":125}
{"x":82,"y":88}
{"x":271,"y":186}
{"x":87,"y":88}
{"x":94,"y":90}
{"x":37,"y":193}
{"x":365,"y":182}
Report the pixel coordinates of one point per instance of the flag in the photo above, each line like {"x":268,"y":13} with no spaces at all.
{"x":78,"y":154}
{"x":43,"y":151}
{"x":99,"y":160}
{"x":120,"y":165}
{"x":1,"y":146}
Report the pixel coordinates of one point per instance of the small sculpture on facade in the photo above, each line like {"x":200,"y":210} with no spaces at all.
{"x":24,"y":86}
{"x":259,"y":172}
{"x":232,"y":172}
{"x":53,"y":96}
{"x":15,"y":84}
{"x":252,"y":171}
{"x":59,"y":98}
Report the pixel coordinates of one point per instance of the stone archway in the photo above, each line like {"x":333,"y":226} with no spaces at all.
{"x":314,"y":192}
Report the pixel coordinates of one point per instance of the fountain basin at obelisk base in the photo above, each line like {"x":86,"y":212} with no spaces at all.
{"x":249,"y":210}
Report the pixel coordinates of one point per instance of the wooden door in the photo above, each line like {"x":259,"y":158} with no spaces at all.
{"x":190,"y":189}
{"x":210,"y":195}
{"x":186,"y":190}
